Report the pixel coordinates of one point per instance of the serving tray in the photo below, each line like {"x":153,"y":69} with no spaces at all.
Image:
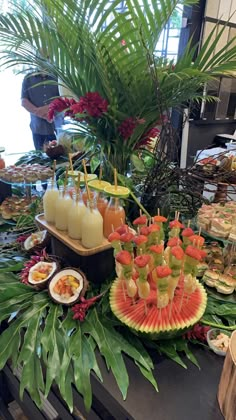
{"x":73,"y":244}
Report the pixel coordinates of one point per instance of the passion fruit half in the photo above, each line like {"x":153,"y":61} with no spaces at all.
{"x":67,"y":286}
{"x":41,"y":273}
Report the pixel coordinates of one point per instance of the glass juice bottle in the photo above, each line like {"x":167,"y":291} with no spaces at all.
{"x":75,"y":215}
{"x":49,"y":201}
{"x":102,"y":203}
{"x":114,"y":216}
{"x":85,"y":195}
{"x":92,"y":226}
{"x":63,"y":205}
{"x":71,"y":186}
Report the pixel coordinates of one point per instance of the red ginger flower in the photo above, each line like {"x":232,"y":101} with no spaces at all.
{"x":187,"y":232}
{"x":141,"y":220}
{"x":193,"y":252}
{"x":123,"y":257}
{"x":159,"y":218}
{"x":198,"y":332}
{"x":126,"y":128}
{"x":176,"y":224}
{"x":144,"y":231}
{"x":80,"y":309}
{"x":177,"y":252}
{"x":92,"y":104}
{"x":140,"y":239}
{"x":142,"y":260}
{"x":114,"y":236}
{"x":60,"y":105}
{"x":163,"y":271}
{"x":157,"y":249}
{"x":174,"y":241}
{"x":147,"y":137}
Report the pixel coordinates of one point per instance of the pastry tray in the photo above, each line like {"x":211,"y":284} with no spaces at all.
{"x":74,"y":244}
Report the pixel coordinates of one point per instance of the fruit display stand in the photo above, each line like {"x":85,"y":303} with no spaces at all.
{"x":97,"y":263}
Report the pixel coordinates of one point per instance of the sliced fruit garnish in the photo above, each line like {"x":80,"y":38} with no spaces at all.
{"x":74,"y":174}
{"x":118,"y":191}
{"x":97,"y":185}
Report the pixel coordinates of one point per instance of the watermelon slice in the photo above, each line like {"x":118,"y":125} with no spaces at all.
{"x":158,"y":323}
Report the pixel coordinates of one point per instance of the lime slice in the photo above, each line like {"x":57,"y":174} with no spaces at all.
{"x":118,"y":191}
{"x":97,"y":185}
{"x":74,"y":174}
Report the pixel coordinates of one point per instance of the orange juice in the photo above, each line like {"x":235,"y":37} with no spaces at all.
{"x":114,"y":217}
{"x":102,"y":204}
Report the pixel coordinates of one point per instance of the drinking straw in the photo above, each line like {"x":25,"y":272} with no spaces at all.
{"x":71,"y":164}
{"x":189,"y":221}
{"x":158,"y":211}
{"x":65,"y":181}
{"x":85,"y":169}
{"x":78,"y":188}
{"x":53,"y":173}
{"x":115,"y":178}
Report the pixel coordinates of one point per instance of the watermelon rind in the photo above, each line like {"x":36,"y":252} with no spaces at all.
{"x":152,"y":323}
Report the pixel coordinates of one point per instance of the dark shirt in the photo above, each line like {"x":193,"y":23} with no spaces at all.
{"x":39,"y":96}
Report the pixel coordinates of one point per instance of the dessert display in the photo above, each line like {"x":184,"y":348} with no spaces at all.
{"x":14,"y":206}
{"x":25,"y":173}
{"x":66,"y":286}
{"x":156,"y":290}
{"x":41,"y":273}
{"x":53,"y":149}
{"x":218,"y":219}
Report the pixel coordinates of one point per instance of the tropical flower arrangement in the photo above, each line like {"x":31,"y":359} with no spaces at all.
{"x":114,"y":140}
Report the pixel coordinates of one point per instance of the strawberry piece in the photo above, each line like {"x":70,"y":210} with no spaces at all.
{"x":127,"y":237}
{"x":163,"y":271}
{"x":174,"y":241}
{"x":141,"y":220}
{"x":142,"y":260}
{"x":144,"y":231}
{"x":158,"y":249}
{"x":197,"y":240}
{"x":114,"y":236}
{"x":177,"y":252}
{"x":122,"y":229}
{"x":193,"y":252}
{"x":159,"y":219}
{"x":176,"y":224}
{"x":187,"y":232}
{"x":123,"y":257}
{"x":140,"y":239}
{"x":153,"y":228}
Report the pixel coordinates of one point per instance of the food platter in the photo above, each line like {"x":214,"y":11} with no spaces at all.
{"x":73,"y":244}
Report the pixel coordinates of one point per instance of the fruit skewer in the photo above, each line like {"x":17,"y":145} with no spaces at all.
{"x":141,"y":264}
{"x":124,"y":258}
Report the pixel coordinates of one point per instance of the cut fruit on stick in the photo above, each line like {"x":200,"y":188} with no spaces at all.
{"x":117,"y":191}
{"x":97,"y":185}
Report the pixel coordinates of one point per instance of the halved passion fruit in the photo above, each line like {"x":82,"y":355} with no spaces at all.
{"x":36,"y":241}
{"x":67,"y":286}
{"x":41,"y":273}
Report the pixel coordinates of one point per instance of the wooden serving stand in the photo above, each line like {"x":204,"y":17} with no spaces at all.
{"x":227,"y":386}
{"x":97,"y":263}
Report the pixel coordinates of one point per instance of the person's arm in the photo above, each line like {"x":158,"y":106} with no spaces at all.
{"x":41,"y":111}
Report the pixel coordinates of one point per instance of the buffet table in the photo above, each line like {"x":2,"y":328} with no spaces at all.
{"x":184,"y":394}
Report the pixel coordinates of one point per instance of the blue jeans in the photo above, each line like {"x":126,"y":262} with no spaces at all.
{"x":40,"y":139}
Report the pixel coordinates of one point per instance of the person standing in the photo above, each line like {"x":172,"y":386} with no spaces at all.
{"x":36,"y":94}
